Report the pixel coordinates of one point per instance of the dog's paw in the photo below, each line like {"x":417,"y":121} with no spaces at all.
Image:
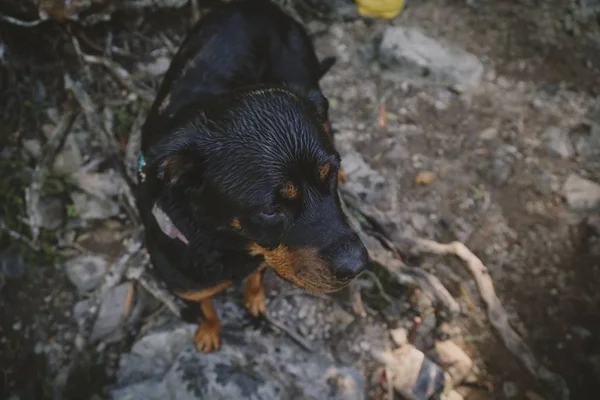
{"x":254,"y":301}
{"x":207,"y":338}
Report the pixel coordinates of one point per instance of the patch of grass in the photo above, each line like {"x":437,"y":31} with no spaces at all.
{"x":72,"y":211}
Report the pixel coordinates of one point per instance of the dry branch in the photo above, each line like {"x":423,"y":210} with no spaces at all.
{"x":496,"y":312}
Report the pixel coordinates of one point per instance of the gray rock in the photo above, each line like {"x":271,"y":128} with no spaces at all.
{"x":92,"y":207}
{"x":558,"y":142}
{"x":86,"y":272}
{"x":581,"y":194}
{"x":250,"y":365}
{"x":33,"y":147}
{"x":69,"y":160}
{"x":361,"y":178}
{"x":80,"y":308}
{"x":587,"y":145}
{"x":52,"y":213}
{"x":408,"y":54}
{"x":113,"y":312}
{"x":499,"y":169}
{"x":101,"y":185}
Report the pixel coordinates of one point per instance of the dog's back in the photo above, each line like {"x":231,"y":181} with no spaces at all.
{"x":238,"y":44}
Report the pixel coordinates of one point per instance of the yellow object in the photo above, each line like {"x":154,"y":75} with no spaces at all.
{"x":379,"y":8}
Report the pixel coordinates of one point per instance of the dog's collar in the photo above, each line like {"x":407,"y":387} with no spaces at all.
{"x":166,"y":225}
{"x":162,"y":219}
{"x":141,"y":168}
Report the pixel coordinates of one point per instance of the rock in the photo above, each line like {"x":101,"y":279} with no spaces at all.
{"x":510,"y":390}
{"x":69,"y":160}
{"x":499,"y":169}
{"x":80,"y":308}
{"x":453,"y":360}
{"x":156,"y":67}
{"x":86,"y":272}
{"x":586,"y":138}
{"x":399,"y":336}
{"x":33,"y":147}
{"x":340,"y":319}
{"x":51,"y":212}
{"x":249,"y":365}
{"x":91,"y":207}
{"x":558,"y":142}
{"x":361,"y":178}
{"x":581,"y":194}
{"x":101,"y":185}
{"x":113,"y":313}
{"x":408,"y":54}
{"x":412,"y":374}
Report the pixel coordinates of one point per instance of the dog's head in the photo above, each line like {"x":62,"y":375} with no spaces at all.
{"x":261,"y":163}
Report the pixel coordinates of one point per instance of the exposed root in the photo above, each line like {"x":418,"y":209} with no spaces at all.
{"x":496,"y":312}
{"x":355,"y":298}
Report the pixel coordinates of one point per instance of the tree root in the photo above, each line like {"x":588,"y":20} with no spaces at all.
{"x":496,"y":313}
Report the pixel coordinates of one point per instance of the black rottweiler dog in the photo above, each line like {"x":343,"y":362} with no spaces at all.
{"x":238,"y":169}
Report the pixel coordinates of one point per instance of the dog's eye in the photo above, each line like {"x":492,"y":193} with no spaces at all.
{"x":270,"y":214}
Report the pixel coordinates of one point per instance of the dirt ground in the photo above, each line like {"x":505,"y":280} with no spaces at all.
{"x":498,"y":188}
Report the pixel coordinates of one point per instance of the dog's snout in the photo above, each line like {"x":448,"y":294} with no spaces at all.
{"x":348,"y":259}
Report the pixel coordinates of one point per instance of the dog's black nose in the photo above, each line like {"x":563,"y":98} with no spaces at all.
{"x":350,"y":260}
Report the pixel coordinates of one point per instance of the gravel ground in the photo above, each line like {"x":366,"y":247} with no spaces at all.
{"x":509,"y":166}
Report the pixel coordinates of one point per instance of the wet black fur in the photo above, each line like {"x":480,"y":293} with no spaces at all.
{"x":221,"y":149}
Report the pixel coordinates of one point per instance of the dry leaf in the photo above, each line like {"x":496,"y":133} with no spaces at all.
{"x":425,"y":178}
{"x":382,"y":117}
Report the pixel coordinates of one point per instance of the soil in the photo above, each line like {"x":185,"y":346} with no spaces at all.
{"x":542,"y":69}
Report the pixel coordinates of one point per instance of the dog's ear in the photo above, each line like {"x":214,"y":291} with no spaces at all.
{"x":173,"y":167}
{"x":176,"y":159}
{"x":325,"y":65}
{"x":319,"y":101}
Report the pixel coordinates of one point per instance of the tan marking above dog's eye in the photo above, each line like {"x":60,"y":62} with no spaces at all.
{"x":289,"y":191}
{"x":324,"y":171}
{"x":235,"y":224}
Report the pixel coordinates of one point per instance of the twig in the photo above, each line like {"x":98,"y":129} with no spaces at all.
{"x":34,"y":191}
{"x":496,"y":312}
{"x":17,"y":236}
{"x":382,"y":291}
{"x":355,"y":298}
{"x":90,"y":110}
{"x":297,"y":338}
{"x":95,"y":124}
{"x":26,"y":24}
{"x":148,"y":282}
{"x":195,"y":11}
{"x":120,"y":74}
{"x":389,"y":259}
